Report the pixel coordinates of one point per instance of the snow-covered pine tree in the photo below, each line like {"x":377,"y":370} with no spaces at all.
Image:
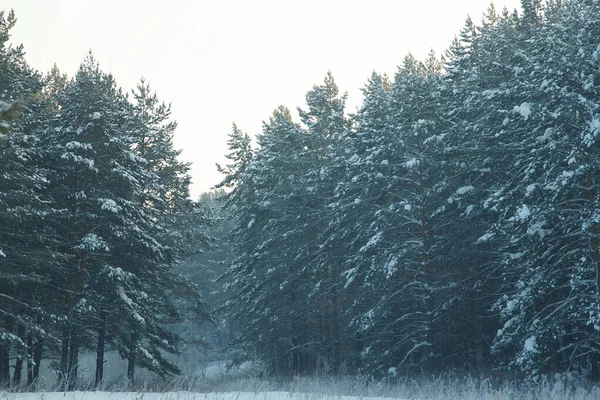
{"x":24,"y":261}
{"x":455,"y":192}
{"x":270,"y":229}
{"x":240,"y":155}
{"x":84,"y":137}
{"x":322,"y":166}
{"x":401,"y":184}
{"x":363,"y":186}
{"x":410,"y":263}
{"x":550,"y":316}
{"x":113,"y":221}
{"x":477,"y":79}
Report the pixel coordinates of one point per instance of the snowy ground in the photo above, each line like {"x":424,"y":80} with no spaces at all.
{"x":435,"y":390}
{"x":177,"y":396}
{"x":212,"y":381}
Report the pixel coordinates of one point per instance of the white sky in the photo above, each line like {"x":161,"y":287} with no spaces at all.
{"x":222,"y":61}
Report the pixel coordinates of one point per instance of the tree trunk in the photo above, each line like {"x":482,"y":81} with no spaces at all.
{"x":594,"y":231}
{"x":4,"y":365}
{"x":73,"y":361}
{"x":334,"y":320}
{"x":70,"y":350}
{"x":100,"y":352}
{"x":19,"y":363}
{"x":131,"y":360}
{"x":594,"y":358}
{"x":5,"y":356}
{"x":63,"y":372}
{"x":18,"y":369}
{"x":64,"y":360}
{"x":426,"y":269}
{"x":29,"y":361}
{"x":37,"y":359}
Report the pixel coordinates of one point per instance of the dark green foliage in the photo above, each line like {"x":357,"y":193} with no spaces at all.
{"x":453,"y":225}
{"x":94,"y":213}
{"x":450,"y":225}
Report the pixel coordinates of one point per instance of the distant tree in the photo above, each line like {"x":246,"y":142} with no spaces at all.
{"x":240,"y":155}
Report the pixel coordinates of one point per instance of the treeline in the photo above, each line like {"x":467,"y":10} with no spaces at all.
{"x":94,"y":211}
{"x":450,"y":224}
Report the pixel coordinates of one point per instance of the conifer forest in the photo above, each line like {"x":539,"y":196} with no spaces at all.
{"x":449,"y":224}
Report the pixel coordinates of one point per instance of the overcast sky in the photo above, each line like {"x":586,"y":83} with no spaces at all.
{"x":225,"y":61}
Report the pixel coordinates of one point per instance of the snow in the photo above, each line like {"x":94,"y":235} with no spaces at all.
{"x":485,"y":238}
{"x":92,"y":242}
{"x":350,"y":275}
{"x":510,"y":305}
{"x":390,"y":267}
{"x":354,"y":159}
{"x":181,"y":395}
{"x":117,"y":272}
{"x":547,"y":134}
{"x":516,"y":256}
{"x":489,"y":94}
{"x":596,"y":54}
{"x":78,"y":159}
{"x":523,"y":212}
{"x":148,"y":356}
{"x":567,"y":174}
{"x":517,"y":70}
{"x":538,"y":229}
{"x":524,"y":109}
{"x":123,"y":296}
{"x":530,"y":345}
{"x":530,"y":188}
{"x":412,"y":163}
{"x":4,"y":106}
{"x":372,"y":242}
{"x":109,"y":205}
{"x":594,"y":125}
{"x":464,"y":189}
{"x":130,"y":303}
{"x":322,"y":173}
{"x":78,"y":145}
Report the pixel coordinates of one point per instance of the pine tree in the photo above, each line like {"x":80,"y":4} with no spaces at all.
{"x":327,"y":129}
{"x":550,"y":209}
{"x":114,"y":221}
{"x":23,"y":259}
{"x":240,"y":155}
{"x":265,"y":269}
{"x":360,"y":193}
